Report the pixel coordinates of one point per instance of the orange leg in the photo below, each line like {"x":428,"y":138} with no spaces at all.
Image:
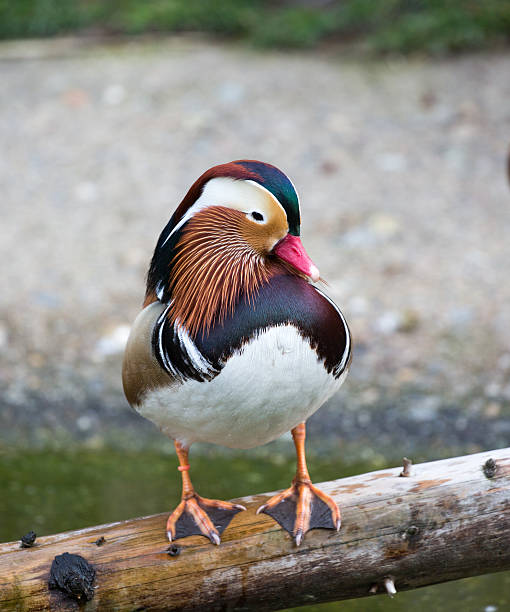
{"x":302,"y":506}
{"x":197,"y":515}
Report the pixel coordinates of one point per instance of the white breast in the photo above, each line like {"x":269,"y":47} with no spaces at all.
{"x":275,"y":382}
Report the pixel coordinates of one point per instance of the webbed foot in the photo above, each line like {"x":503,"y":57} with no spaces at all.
{"x":197,"y":515}
{"x":302,"y":507}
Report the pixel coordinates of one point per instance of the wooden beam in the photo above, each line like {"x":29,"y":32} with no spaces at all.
{"x":449,"y":519}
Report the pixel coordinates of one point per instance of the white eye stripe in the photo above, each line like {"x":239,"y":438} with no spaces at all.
{"x":230,"y":192}
{"x":271,"y":195}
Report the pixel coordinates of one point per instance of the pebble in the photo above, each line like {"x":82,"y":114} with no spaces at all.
{"x":388,"y":323}
{"x":358,"y":305}
{"x":425,"y":408}
{"x":359,"y":237}
{"x":505,"y":392}
{"x":84,"y":423}
{"x":492,"y":410}
{"x":231,"y":93}
{"x":86,"y":191}
{"x":113,"y":343}
{"x":4,"y":337}
{"x":384,"y":225}
{"x":493,"y":389}
{"x":504,"y":362}
{"x":114,"y":94}
{"x":410,"y":320}
{"x":460,"y":317}
{"x":392,"y":162}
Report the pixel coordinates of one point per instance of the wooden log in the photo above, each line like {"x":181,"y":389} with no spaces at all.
{"x":449,"y":519}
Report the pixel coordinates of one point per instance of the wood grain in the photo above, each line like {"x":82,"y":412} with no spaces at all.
{"x":450,"y":519}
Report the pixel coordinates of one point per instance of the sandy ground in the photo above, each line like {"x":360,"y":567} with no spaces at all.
{"x":400,"y":167}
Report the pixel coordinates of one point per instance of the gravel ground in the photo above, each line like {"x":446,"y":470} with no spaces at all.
{"x":400,"y":167}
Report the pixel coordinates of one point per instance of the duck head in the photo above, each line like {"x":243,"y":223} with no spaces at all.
{"x":238,"y":225}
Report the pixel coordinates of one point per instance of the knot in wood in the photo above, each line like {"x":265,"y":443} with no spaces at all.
{"x":28,"y":540}
{"x":490,"y":467}
{"x":406,"y":472}
{"x":73,"y":575}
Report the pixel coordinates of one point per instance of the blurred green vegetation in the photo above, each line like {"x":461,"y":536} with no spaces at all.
{"x":398,"y":26}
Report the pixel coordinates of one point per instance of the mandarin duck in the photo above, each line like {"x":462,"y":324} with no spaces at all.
{"x":234,"y":344}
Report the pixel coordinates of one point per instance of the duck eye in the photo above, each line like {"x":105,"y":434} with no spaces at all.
{"x":257,"y":216}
